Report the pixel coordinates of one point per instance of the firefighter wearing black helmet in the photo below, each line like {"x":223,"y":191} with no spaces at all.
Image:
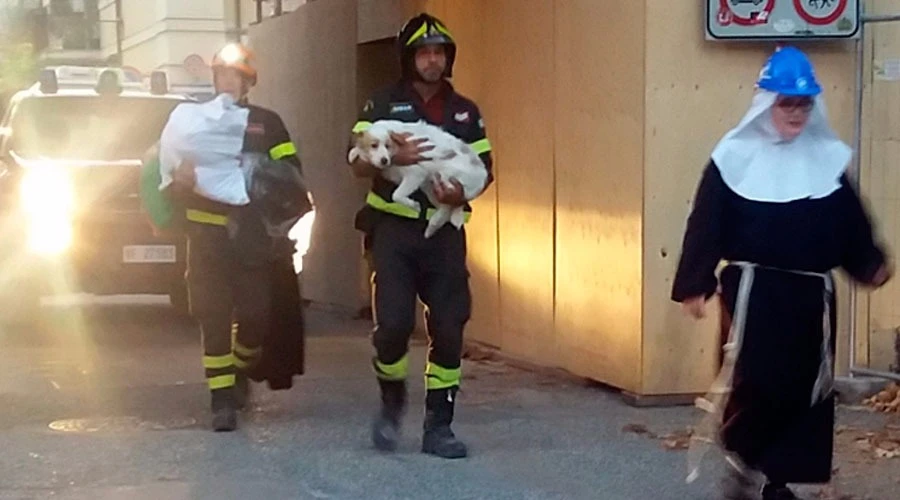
{"x":230,"y":279}
{"x":406,"y":264}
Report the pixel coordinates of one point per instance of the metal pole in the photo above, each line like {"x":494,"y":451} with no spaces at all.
{"x":857,"y":168}
{"x":259,"y":13}
{"x":120,"y":31}
{"x":877,"y":374}
{"x":238,"y":22}
{"x":883,"y":18}
{"x":279,"y":8}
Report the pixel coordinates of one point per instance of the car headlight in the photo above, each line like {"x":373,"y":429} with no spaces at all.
{"x":47,"y":200}
{"x":47,"y":193}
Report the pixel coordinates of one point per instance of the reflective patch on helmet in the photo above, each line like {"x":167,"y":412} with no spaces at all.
{"x":462,"y":117}
{"x":369,"y":105}
{"x":481,"y":123}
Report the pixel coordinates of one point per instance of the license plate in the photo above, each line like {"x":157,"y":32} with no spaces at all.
{"x":148,"y":254}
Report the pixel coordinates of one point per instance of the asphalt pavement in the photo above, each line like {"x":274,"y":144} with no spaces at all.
{"x":106,"y":400}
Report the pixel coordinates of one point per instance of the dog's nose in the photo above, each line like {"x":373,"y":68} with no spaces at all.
{"x":384,"y":162}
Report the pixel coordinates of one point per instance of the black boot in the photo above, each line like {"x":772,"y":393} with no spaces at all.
{"x":438,"y":439}
{"x":386,"y":427}
{"x":224,"y":411}
{"x":241,"y":391}
{"x":739,"y":486}
{"x":777,"y":491}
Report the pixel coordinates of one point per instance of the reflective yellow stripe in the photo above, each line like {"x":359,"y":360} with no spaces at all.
{"x":246,"y":352}
{"x":394,"y":371}
{"x":418,"y":34}
{"x":481,"y":147}
{"x":431,"y":211}
{"x":282,"y":150}
{"x":202,"y":217}
{"x":361,"y":126}
{"x":443,"y":29}
{"x":379,"y":203}
{"x":221,"y":382}
{"x":216,"y":362}
{"x":438,"y":377}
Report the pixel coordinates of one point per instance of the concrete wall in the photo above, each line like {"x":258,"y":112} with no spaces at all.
{"x":307,"y":66}
{"x":602,"y":115}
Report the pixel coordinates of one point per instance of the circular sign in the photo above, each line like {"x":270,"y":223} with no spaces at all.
{"x":820,"y":12}
{"x":745,"y":12}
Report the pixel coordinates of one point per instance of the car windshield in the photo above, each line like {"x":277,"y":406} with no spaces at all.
{"x":101,"y":128}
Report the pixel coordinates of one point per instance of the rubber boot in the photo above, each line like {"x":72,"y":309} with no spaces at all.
{"x":386,"y":426}
{"x":224,"y":411}
{"x":778,"y":491}
{"x":739,"y":486}
{"x":438,"y":439}
{"x":241,"y":391}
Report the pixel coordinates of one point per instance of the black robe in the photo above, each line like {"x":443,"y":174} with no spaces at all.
{"x":769,"y":421}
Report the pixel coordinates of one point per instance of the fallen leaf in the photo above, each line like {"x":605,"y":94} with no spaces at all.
{"x":863,"y":444}
{"x":680,"y":443}
{"x":637,"y":429}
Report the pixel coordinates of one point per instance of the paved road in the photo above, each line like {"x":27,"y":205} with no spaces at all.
{"x":107,"y":401}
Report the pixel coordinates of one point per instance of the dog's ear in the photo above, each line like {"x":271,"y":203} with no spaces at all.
{"x":353,"y":155}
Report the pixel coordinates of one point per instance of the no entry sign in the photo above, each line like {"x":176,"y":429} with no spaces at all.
{"x":781,"y":19}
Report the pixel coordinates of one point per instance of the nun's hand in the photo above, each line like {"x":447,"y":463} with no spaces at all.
{"x":695,"y":307}
{"x":882,"y":276}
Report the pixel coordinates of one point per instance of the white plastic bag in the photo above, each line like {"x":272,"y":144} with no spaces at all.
{"x":211,"y":135}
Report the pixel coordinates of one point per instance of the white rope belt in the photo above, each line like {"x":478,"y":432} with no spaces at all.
{"x":714,"y":403}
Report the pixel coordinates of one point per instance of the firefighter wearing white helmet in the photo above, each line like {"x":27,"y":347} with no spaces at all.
{"x":226,"y":279}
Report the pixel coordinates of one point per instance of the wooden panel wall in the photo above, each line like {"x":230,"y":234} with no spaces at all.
{"x":520,"y":98}
{"x":696,"y":91}
{"x":599,"y":156}
{"x":880,"y":315}
{"x":307,"y":66}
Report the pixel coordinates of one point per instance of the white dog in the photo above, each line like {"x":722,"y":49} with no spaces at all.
{"x":451,"y":158}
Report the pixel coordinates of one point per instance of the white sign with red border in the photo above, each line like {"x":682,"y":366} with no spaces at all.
{"x":781,"y":19}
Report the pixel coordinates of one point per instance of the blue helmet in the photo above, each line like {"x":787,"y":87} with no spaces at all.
{"x":789,"y":72}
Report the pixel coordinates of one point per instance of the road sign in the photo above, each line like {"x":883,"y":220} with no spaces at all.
{"x":781,"y":19}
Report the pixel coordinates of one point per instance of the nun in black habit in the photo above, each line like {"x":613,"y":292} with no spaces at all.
{"x":775,"y":205}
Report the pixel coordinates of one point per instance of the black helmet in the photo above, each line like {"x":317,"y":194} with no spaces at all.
{"x":424,"y":30}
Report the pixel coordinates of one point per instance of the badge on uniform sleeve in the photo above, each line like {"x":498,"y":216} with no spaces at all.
{"x":255,"y":128}
{"x":401,"y":107}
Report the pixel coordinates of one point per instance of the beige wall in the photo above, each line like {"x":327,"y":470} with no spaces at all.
{"x":161,"y":33}
{"x":602,"y":115}
{"x":307,"y":66}
{"x":879,"y":314}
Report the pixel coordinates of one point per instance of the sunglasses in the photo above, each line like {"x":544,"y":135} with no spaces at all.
{"x":804,"y":104}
